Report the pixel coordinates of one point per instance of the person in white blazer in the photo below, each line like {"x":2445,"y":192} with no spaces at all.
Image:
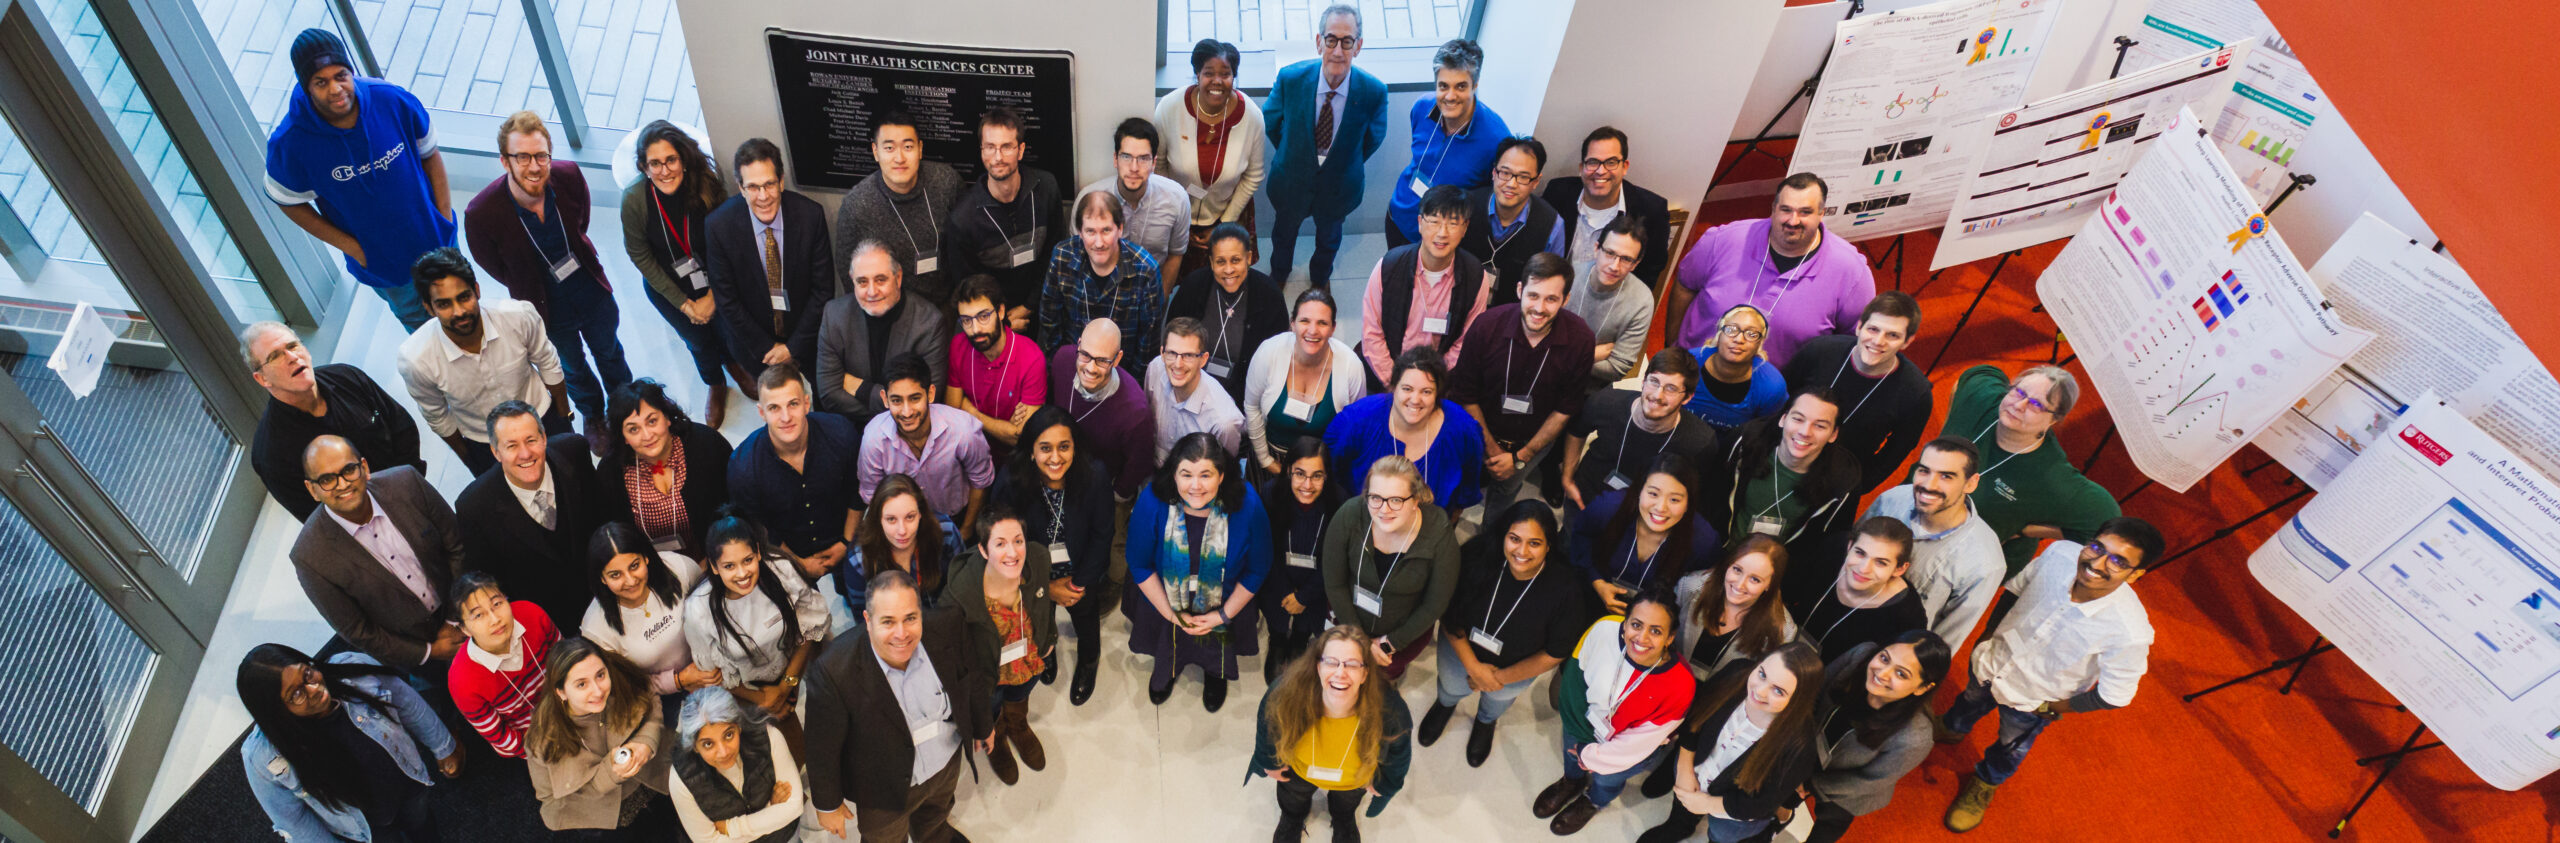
{"x":1283,"y":399}
{"x":1233,"y":132}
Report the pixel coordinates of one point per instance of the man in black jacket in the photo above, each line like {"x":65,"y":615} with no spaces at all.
{"x":306,"y":402}
{"x":770,"y":264}
{"x":531,"y":514}
{"x":1601,"y":195}
{"x":890,"y":711}
{"x":1889,"y":399}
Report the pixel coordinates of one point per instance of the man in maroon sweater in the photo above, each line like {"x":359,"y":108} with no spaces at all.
{"x":529,"y":231}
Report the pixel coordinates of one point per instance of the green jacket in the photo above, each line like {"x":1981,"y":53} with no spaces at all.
{"x":966,"y":590}
{"x":1394,"y":758}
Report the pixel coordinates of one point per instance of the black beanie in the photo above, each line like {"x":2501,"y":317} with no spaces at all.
{"x":315,"y":49}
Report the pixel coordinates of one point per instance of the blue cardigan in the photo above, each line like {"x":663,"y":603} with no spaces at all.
{"x":1248,"y":540}
{"x":1453,"y":468}
{"x":1298,"y":185}
{"x":1465,"y":160}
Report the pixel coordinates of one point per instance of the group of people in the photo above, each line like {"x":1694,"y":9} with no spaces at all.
{"x":976,"y":414}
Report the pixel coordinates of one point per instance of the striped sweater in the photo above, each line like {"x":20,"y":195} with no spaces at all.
{"x":500,"y":704}
{"x":1626,"y":711}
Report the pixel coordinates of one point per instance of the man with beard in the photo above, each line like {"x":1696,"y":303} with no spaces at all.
{"x":1005,"y":225}
{"x":862,"y":331}
{"x":1107,"y":406}
{"x":1521,"y":377}
{"x":1629,"y":430}
{"x":1620,"y":314}
{"x":354,"y":162}
{"x":1889,"y":400}
{"x":1955,"y":558}
{"x":1804,"y":278}
{"x":903,"y":205}
{"x":938,"y":446}
{"x":529,"y":230}
{"x":475,"y":357}
{"x":997,"y":375}
{"x":2079,"y":641}
{"x":305,"y":402}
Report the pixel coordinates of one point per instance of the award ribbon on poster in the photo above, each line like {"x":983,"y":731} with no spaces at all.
{"x":1982,"y":44}
{"x":2256,"y":226}
{"x":2096,"y":124}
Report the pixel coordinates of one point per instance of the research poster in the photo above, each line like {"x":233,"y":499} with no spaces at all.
{"x":2038,"y":171}
{"x":2193,"y":319}
{"x":834,"y":90}
{"x":2273,"y":102}
{"x":2431,"y":562}
{"x":1881,"y":130}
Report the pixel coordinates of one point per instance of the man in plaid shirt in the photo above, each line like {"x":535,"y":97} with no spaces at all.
{"x":1097,"y":275}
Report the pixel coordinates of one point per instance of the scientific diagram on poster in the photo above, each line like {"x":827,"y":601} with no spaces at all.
{"x":2431,"y":562}
{"x":1880,"y":130}
{"x":2194,"y":320}
{"x":2038,"y":171}
{"x":2273,"y":101}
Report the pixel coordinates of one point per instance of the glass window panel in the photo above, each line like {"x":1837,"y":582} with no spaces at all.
{"x":65,"y":706}
{"x":630,"y":57}
{"x":473,"y":57}
{"x":102,"y":65}
{"x":256,"y":38}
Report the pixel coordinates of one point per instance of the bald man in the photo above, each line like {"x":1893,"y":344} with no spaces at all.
{"x":1106,"y":406}
{"x":377,"y":556}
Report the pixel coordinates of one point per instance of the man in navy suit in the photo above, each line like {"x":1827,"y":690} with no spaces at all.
{"x":771,"y":264}
{"x":1323,"y":127}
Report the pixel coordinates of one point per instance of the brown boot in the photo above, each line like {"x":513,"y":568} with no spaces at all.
{"x":746,"y":385}
{"x":716,"y":410}
{"x":1000,"y":759}
{"x":1015,"y":723}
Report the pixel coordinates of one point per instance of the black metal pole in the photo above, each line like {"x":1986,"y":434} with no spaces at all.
{"x":2122,"y":44}
{"x":2226,"y":532}
{"x":2300,"y":181}
{"x":2318,"y":646}
{"x":1968,"y":310}
{"x":2390,"y":761}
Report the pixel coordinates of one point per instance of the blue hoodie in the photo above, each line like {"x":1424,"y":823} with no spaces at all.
{"x":369,"y":181}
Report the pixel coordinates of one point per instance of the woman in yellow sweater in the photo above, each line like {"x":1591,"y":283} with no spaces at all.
{"x":1327,"y":726}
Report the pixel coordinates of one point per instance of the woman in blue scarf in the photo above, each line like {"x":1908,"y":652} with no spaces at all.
{"x":1199,"y":546}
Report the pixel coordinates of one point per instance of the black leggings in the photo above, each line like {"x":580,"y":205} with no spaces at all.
{"x":1297,"y":797}
{"x":1085,"y":617}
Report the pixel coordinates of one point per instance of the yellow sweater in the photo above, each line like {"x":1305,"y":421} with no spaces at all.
{"x":1328,"y":745}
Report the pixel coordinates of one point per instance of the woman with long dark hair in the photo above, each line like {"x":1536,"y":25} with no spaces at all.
{"x":333,"y":750}
{"x":662,"y":231}
{"x":664,"y":473}
{"x":1301,"y":499}
{"x":597,"y":747}
{"x":1623,"y":695}
{"x":1332,"y":724}
{"x":1874,"y":727}
{"x":1735,"y":611}
{"x":1515,"y":617}
{"x":639,"y":607}
{"x":1001,"y":586}
{"x":1645,"y":537}
{"x":901,"y":531}
{"x":734,"y":779}
{"x":1199,"y":547}
{"x":1064,"y":498}
{"x":754,"y":620}
{"x":1752,"y":748}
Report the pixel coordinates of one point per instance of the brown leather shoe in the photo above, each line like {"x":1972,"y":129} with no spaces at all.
{"x":1553,"y":798}
{"x":1575,"y":815}
{"x":716,"y":410}
{"x":1000,"y":759}
{"x":1016,"y":724}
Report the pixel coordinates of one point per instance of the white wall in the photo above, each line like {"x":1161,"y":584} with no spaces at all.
{"x":1114,"y":42}
{"x":1521,"y":41}
{"x":1671,"y":73}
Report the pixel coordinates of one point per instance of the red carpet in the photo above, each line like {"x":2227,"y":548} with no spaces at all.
{"x":2242,"y":764}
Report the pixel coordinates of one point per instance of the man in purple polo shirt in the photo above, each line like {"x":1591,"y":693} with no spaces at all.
{"x":1807,"y":280}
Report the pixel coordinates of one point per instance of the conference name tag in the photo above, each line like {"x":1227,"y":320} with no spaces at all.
{"x":1365,"y":599}
{"x":1484,"y":639}
{"x":1515,"y":404}
{"x":928,"y":263}
{"x":690,"y":270}
{"x":781,"y":302}
{"x":1022,"y":256}
{"x":1219,"y":368}
{"x":1418,"y":187}
{"x":1617,"y":482}
{"x":1435,"y":325}
{"x":1768,"y":526}
{"x":1325,"y":774}
{"x":921,"y":735}
{"x":1022,"y":647}
{"x":1195,"y":190}
{"x":563,"y":268}
{"x":1297,"y":409}
{"x":667,"y":544}
{"x":1302,"y":560}
{"x":1059,"y":554}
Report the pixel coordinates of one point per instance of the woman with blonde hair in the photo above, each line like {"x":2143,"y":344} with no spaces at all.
{"x":1390,"y":562}
{"x":1326,"y":726}
{"x":594,"y":746}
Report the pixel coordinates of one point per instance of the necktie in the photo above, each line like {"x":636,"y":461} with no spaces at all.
{"x":542,"y":506}
{"x":773,"y":279}
{"x":1324,"y":124}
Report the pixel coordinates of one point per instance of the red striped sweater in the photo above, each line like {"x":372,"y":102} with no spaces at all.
{"x":500,"y":705}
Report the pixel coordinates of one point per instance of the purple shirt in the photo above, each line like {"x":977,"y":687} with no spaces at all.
{"x":1119,"y":428}
{"x":1730,"y":266}
{"x":954,"y":460}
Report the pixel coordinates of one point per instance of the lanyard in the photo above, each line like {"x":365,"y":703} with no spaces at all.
{"x":1445,"y":149}
{"x":1648,"y":559}
{"x":1627,"y":431}
{"x":1844,"y":618}
{"x":1000,"y":368}
{"x":674,"y":234}
{"x":1780,"y":277}
{"x":1773,"y":489}
{"x":1620,"y":698}
{"x":1495,"y":221}
{"x":991,"y":220}
{"x":1320,"y":522}
{"x":1071,"y":403}
{"x":1844,"y":369}
{"x":557,"y":219}
{"x":1363,"y":568}
{"x":1084,"y":304}
{"x":1057,"y":501}
{"x":928,"y":211}
{"x":1226,"y":313}
{"x":1534,"y":374}
{"x":1834,"y":748}
{"x":1497,"y":598}
{"x":1986,"y":431}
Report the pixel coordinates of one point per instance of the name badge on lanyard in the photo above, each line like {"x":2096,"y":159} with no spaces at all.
{"x":1219,"y":368}
{"x":1768,"y":526}
{"x":1325,"y":774}
{"x":1484,"y":639}
{"x":1365,"y":599}
{"x":1617,"y":481}
{"x":924,"y":734}
{"x":690,"y":270}
{"x":1418,"y":186}
{"x":1021,"y":256}
{"x":1435,"y":325}
{"x":1014,"y":652}
{"x":1058,"y":553}
{"x":1302,"y":560}
{"x":1297,"y":409}
{"x":667,"y":543}
{"x":1196,"y":191}
{"x":933,"y":262}
{"x":781,"y":302}
{"x":1517,"y":405}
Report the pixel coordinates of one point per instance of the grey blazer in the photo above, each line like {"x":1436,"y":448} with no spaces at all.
{"x":1860,"y":778}
{"x":844,"y":347}
{"x":362,"y":600}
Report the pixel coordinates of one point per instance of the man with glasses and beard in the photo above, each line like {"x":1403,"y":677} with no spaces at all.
{"x":1603,"y":196}
{"x":377,"y":557}
{"x":1629,"y":430}
{"x":997,"y":375}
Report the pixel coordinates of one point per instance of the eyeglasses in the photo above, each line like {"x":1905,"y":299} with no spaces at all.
{"x":979,"y":318}
{"x":2114,"y":560}
{"x":1185,"y":356}
{"x":2039,"y":406}
{"x":539,"y":159}
{"x":1514,"y":176}
{"x":1331,"y":663}
{"x":1302,"y":474}
{"x":1084,"y":359}
{"x":1337,"y":42}
{"x":1655,"y":384}
{"x":664,"y":165}
{"x":1126,"y":158}
{"x":1739,"y":331}
{"x":331,"y":481}
{"x":1614,"y":258}
{"x":1390,"y":504}
{"x":301,"y":694}
{"x":1610,"y":163}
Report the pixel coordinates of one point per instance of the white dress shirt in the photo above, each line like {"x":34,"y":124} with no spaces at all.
{"x":2050,"y":649}
{"x":922,"y":701}
{"x":380,"y":538}
{"x":456,"y":389}
{"x":1209,"y":410}
{"x":525,"y":497}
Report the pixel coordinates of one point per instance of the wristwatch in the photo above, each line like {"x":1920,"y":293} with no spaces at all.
{"x":790,"y":681}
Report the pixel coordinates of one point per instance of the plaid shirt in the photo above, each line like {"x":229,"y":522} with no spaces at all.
{"x":1134,"y":299}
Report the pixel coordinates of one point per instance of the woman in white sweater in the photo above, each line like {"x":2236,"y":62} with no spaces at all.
{"x":734,"y":779}
{"x":639,"y":608}
{"x":1297,"y":380}
{"x":1213,"y":145}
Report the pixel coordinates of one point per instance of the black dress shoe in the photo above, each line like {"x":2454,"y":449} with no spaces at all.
{"x":1049,"y":673}
{"x":1553,"y":798}
{"x":1159,"y":695}
{"x":1575,"y":815}
{"x":1433,"y":722}
{"x":1479,"y":743}
{"x":1213,"y":693}
{"x":1082,"y":688}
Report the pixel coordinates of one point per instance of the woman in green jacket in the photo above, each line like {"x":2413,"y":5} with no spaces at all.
{"x":1016,"y":625}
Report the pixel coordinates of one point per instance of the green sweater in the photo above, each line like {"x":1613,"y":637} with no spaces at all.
{"x":2036,"y":487}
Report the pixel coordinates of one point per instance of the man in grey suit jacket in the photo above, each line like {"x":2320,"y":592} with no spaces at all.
{"x":861,"y":332}
{"x":377,"y":558}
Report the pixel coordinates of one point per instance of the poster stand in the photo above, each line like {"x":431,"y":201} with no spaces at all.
{"x":1993,"y":278}
{"x":2122,"y":44}
{"x":2389,"y":760}
{"x":1803,"y":92}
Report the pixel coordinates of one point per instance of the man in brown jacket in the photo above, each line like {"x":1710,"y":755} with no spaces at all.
{"x":891,"y":709}
{"x":377,"y":557}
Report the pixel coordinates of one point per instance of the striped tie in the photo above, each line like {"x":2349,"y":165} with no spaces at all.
{"x":773,"y":279}
{"x":1324,"y":124}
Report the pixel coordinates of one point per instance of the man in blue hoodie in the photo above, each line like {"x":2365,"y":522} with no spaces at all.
{"x":354,"y":162}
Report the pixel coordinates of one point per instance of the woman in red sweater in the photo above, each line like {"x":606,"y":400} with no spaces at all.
{"x":499,"y":677}
{"x":1622,"y":694}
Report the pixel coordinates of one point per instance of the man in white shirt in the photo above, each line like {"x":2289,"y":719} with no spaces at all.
{"x":1174,"y":382}
{"x":476,"y":356}
{"x":2078,"y":641}
{"x":1955,"y":557}
{"x":1156,"y":210}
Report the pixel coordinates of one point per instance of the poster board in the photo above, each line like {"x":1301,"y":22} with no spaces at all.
{"x":2431,"y":561}
{"x":834,"y":90}
{"x":2040,"y":170}
{"x":2274,"y":103}
{"x":1797,"y":51}
{"x":1881,"y":131}
{"x":2197,"y":333}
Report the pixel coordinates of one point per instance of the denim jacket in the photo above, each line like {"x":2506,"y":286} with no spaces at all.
{"x":300,"y":817}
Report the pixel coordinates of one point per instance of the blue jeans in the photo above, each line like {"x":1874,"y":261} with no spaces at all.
{"x":581,"y":322}
{"x":1719,"y":829}
{"x":1453,"y":685}
{"x":405,"y":305}
{"x":1284,"y":246}
{"x":1605,"y":786}
{"x":710,"y":354}
{"x":2018,"y":731}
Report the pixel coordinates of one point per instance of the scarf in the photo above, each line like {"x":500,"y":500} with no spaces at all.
{"x":1195,"y":586}
{"x":718,"y":800}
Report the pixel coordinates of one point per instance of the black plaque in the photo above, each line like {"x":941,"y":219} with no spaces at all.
{"x":834,"y":90}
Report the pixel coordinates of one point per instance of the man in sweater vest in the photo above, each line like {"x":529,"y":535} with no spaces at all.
{"x":1425,"y":292}
{"x":1516,"y":223}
